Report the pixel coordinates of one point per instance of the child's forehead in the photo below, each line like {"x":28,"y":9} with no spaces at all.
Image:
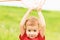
{"x":32,"y":27}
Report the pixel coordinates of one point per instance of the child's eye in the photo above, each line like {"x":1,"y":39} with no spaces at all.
{"x":34,"y":30}
{"x":29,"y":30}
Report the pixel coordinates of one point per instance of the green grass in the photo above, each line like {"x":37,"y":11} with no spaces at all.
{"x":10,"y":18}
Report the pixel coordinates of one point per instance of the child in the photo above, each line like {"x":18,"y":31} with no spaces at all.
{"x":32,"y":28}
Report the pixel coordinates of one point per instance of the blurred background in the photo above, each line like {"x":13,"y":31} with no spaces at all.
{"x":49,"y":4}
{"x":11,"y":13}
{"x":9,"y":0}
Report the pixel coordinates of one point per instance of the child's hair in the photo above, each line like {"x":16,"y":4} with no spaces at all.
{"x":31,"y":21}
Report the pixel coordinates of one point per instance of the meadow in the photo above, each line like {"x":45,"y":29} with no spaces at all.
{"x":10,"y":18}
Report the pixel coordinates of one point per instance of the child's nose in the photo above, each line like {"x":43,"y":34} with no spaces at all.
{"x":32,"y":33}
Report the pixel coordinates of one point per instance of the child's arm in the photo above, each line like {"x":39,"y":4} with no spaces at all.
{"x":42,"y":23}
{"x":42,"y":2}
{"x":23,"y":21}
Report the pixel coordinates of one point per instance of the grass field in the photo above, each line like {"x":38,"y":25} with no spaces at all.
{"x":10,"y":18}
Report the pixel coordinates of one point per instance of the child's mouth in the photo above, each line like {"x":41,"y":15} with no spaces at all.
{"x":32,"y":36}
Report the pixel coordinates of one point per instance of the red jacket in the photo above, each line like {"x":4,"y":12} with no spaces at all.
{"x":24,"y":37}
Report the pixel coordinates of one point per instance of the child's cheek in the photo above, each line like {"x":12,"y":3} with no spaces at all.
{"x":36,"y":33}
{"x":28,"y":33}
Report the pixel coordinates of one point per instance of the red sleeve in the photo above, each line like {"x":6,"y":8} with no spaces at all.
{"x":22,"y":37}
{"x":41,"y":38}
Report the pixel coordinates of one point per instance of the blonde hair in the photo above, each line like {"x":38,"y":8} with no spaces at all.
{"x":31,"y":21}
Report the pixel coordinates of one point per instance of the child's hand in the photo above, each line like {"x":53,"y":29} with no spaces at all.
{"x":31,"y":9}
{"x":39,"y":8}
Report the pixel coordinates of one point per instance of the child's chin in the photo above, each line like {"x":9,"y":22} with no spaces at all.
{"x":32,"y":37}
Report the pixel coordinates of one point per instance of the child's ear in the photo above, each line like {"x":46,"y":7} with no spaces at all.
{"x":39,"y":27}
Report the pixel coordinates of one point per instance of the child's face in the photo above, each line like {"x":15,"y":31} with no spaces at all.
{"x":32,"y":31}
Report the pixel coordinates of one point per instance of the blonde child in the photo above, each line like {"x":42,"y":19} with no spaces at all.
{"x":32,"y":28}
